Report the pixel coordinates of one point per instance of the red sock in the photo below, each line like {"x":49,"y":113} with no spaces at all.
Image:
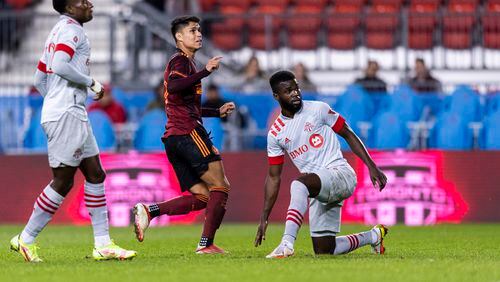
{"x":179,"y":205}
{"x":216,"y":208}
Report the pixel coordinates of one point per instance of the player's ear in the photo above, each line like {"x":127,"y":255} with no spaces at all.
{"x":178,"y":36}
{"x":275,"y":96}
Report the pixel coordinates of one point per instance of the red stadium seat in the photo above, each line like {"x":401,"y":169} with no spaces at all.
{"x":278,"y":3}
{"x":341,"y":40}
{"x":380,"y":29}
{"x":207,"y":5}
{"x":493,"y":6}
{"x":457,"y":30}
{"x":421,"y":30}
{"x":257,"y":40}
{"x":424,"y":7}
{"x":380,"y":40}
{"x":342,"y":26}
{"x":227,"y":40}
{"x":312,"y":3}
{"x":243,"y":4}
{"x":462,"y":7}
{"x":257,"y":22}
{"x":491,"y":30}
{"x":303,"y":26}
{"x":420,"y":40}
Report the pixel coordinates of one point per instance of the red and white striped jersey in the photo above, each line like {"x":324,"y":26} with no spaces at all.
{"x":307,"y":138}
{"x":62,"y":95}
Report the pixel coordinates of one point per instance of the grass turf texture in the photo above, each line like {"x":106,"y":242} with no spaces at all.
{"x":438,"y":253}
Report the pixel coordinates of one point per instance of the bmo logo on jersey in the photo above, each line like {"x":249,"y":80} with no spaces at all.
{"x":299,"y":151}
{"x":316,"y":140}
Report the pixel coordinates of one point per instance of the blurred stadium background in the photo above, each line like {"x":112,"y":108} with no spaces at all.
{"x":433,"y":127}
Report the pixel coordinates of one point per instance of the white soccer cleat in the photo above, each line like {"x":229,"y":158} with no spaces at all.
{"x":113,"y":252}
{"x":381,"y":231}
{"x":284,"y":250}
{"x":141,"y":220}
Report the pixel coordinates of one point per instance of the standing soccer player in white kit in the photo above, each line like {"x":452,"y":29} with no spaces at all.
{"x":62,"y":78}
{"x":306,"y":131}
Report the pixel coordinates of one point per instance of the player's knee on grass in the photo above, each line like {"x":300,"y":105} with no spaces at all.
{"x":324,"y":245}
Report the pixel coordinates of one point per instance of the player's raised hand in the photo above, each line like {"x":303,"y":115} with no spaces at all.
{"x":227,"y":109}
{"x":378,"y":178}
{"x":97,"y":88}
{"x":213,"y":63}
{"x":261,"y":233}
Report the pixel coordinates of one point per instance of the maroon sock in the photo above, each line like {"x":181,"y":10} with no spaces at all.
{"x":179,"y":205}
{"x":216,"y":208}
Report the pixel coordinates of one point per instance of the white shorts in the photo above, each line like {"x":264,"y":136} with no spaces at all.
{"x":70,"y":140}
{"x":337,"y":184}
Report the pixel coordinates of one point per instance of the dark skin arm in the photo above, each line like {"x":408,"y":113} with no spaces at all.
{"x":377,"y":177}
{"x":272,"y":187}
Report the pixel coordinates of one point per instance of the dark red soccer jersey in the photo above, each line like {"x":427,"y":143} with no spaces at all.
{"x":183,"y":95}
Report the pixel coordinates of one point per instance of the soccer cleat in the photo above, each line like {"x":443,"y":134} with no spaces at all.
{"x":112,"y":251}
{"x":141,"y":220}
{"x":381,"y":231}
{"x":28,"y":251}
{"x":284,"y":250}
{"x":212,"y":249}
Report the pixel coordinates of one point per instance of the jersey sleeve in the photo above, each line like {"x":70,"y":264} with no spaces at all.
{"x":275,"y":153}
{"x":69,"y":40}
{"x":330,"y":118}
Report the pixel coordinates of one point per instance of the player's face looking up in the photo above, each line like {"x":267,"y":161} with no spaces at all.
{"x":289,"y":96}
{"x":190,"y":37}
{"x":80,"y":10}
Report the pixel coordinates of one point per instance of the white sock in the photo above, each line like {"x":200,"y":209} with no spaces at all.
{"x":296,"y":210}
{"x":95,"y":201}
{"x":45,"y":206}
{"x":349,"y":243}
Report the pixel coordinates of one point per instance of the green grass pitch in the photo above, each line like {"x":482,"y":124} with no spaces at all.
{"x":438,"y":253}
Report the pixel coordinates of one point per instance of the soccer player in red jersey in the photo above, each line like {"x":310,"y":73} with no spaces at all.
{"x":196,"y":161}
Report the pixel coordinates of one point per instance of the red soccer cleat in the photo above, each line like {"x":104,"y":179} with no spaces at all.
{"x":212,"y":249}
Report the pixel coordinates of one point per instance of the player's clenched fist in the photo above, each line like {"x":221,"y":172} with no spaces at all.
{"x":97,"y":88}
{"x":227,"y":109}
{"x":213,"y":63}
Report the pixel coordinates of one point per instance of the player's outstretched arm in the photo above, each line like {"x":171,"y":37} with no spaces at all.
{"x":378,"y":178}
{"x":271,"y":190}
{"x":221,"y":112}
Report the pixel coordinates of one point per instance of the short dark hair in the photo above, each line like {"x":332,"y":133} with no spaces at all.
{"x":60,"y":5}
{"x":279,"y":77}
{"x":181,"y":22}
{"x":420,"y":60}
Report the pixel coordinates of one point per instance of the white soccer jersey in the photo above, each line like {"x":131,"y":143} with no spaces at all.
{"x":62,"y":95}
{"x":307,"y":138}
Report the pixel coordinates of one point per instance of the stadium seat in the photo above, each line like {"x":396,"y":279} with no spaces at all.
{"x":243,"y":4}
{"x":491,"y":29}
{"x":405,"y":103}
{"x":215,"y":130}
{"x":381,"y":29}
{"x":342,"y":26}
{"x":389,"y":132}
{"x":282,"y":4}
{"x":355,"y":106}
{"x":424,"y":6}
{"x":207,"y":5}
{"x":457,"y":29}
{"x":492,"y":104}
{"x":320,"y":4}
{"x":134,"y":102}
{"x":421,"y":30}
{"x":150,"y":130}
{"x":465,"y":102}
{"x":103,"y":130}
{"x":35,"y":138}
{"x":257,"y":27}
{"x":226,"y":33}
{"x":303,"y":26}
{"x":492,"y":132}
{"x":451,"y":132}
